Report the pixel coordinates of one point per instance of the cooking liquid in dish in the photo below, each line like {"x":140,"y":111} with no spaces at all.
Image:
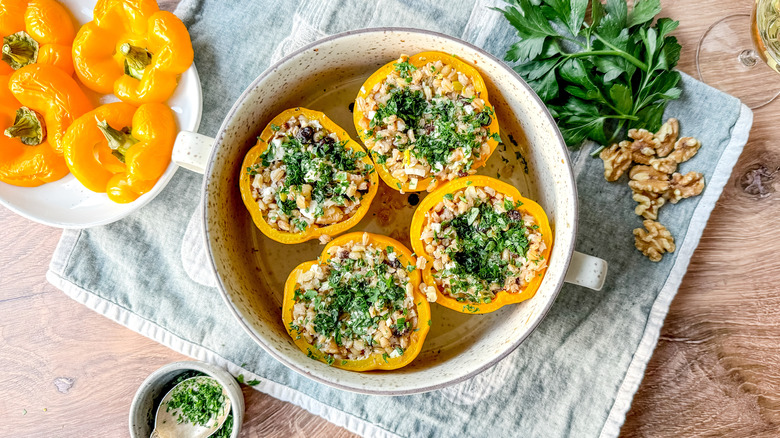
{"x":391,"y":214}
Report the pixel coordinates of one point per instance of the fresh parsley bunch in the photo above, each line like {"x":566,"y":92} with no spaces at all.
{"x":601,"y":74}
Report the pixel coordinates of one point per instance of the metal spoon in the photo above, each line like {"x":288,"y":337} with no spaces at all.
{"x":166,"y":424}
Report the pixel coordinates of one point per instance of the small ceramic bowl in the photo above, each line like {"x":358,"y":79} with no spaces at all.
{"x":150,"y":393}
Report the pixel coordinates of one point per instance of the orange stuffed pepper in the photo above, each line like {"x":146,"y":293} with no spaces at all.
{"x":426,"y":120}
{"x":35,"y":31}
{"x":484,"y":244}
{"x":306,"y":178}
{"x":132,"y":49}
{"x":120,"y":149}
{"x":359,"y":307}
{"x":37,"y":104}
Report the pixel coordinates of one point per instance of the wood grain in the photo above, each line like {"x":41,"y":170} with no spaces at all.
{"x":66,"y":371}
{"x":715,"y":370}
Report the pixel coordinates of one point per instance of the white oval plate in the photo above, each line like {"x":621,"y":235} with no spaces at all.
{"x":68,"y":204}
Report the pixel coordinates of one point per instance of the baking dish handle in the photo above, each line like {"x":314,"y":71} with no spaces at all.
{"x":586,"y":271}
{"x":191,"y":151}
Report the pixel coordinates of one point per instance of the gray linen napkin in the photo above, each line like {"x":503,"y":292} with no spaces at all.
{"x":574,"y":376}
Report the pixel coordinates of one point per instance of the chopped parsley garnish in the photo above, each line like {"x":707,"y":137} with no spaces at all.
{"x":253,"y":170}
{"x":470,"y":308}
{"x":480,"y":236}
{"x":323,"y":164}
{"x":347,"y":311}
{"x":404,"y":103}
{"x":405,"y":70}
{"x":441,"y":125}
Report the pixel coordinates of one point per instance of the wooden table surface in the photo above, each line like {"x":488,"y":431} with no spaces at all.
{"x":66,"y":371}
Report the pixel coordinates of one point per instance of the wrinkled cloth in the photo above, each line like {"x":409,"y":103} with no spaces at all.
{"x":575,"y":375}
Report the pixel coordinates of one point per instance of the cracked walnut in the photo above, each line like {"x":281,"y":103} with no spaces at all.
{"x":654,"y":240}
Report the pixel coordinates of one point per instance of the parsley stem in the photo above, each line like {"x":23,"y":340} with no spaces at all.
{"x":616,"y":52}
{"x":597,"y":151}
{"x":621,"y":117}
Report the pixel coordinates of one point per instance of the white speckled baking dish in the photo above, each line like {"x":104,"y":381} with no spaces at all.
{"x":326,"y":76}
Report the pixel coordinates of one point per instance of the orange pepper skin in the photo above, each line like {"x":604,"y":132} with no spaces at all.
{"x":420,"y":60}
{"x":52,"y":93}
{"x":100,"y":66}
{"x":47,"y":22}
{"x":89,"y":157}
{"x":375,"y":361}
{"x":86,"y":149}
{"x":313,"y":231}
{"x":20,"y":164}
{"x":420,"y":219}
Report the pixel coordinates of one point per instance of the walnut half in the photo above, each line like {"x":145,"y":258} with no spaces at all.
{"x":648,"y":179}
{"x":643,"y":149}
{"x":617,"y":159}
{"x":685,"y":149}
{"x":654,"y":241}
{"x":667,"y":136}
{"x":649,"y":204}
{"x":684,"y":186}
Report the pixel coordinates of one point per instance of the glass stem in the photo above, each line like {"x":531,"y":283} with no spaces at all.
{"x":748,"y":57}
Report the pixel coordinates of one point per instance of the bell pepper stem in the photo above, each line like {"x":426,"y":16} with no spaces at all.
{"x":136,"y":59}
{"x":118,"y":140}
{"x":28,"y":127}
{"x":19,"y":49}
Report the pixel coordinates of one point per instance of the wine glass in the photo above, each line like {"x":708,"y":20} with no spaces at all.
{"x":740,"y":53}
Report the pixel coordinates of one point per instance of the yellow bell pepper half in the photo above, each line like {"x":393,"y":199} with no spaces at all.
{"x":502,"y":298}
{"x":132,"y":49}
{"x":314,"y":231}
{"x":367,"y":133}
{"x":374,"y":361}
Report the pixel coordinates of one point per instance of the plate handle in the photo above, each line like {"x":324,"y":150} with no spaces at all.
{"x":587,"y":271}
{"x":191,"y":151}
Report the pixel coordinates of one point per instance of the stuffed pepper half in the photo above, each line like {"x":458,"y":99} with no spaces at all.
{"x":306,"y":178}
{"x":359,"y":307}
{"x":426,"y":120}
{"x":481,"y":245}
